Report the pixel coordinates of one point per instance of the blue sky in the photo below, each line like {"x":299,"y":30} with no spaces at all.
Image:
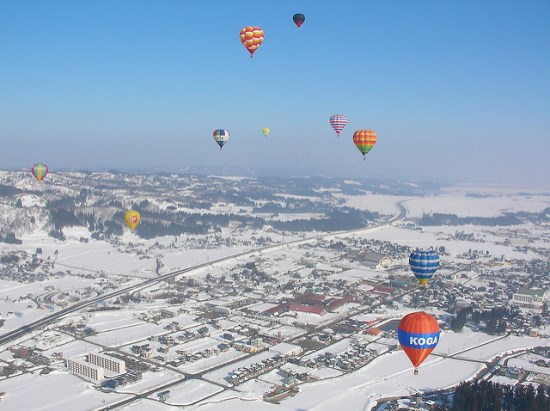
{"x":454,"y":89}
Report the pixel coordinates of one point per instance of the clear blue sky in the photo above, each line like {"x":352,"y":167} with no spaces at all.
{"x":454,"y":89}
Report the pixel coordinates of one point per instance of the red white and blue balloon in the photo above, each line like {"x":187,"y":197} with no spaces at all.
{"x":221,"y":137}
{"x":338,"y":122}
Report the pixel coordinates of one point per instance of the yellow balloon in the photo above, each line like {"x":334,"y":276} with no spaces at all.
{"x":132,"y":219}
{"x":266,"y":131}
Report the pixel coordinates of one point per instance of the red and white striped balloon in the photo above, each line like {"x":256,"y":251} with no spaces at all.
{"x":338,"y":122}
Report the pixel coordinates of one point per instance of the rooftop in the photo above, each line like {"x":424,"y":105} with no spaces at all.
{"x":539,"y":292}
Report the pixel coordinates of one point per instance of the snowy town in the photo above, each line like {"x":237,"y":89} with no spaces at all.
{"x":255,"y":306}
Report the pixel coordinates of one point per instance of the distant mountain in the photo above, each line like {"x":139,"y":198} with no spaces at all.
{"x":183,"y":202}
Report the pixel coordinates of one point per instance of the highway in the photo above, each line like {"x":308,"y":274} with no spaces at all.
{"x":51,"y":318}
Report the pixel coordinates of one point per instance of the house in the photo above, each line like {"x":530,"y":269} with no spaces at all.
{"x":286,"y":349}
{"x":371,"y":259}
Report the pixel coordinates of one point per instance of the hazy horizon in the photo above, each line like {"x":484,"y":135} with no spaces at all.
{"x":456,"y":91}
{"x":251,"y":172}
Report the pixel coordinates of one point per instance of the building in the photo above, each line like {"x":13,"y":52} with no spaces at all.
{"x":167,"y":313}
{"x":371,"y":259}
{"x":312,"y":309}
{"x":286,"y":349}
{"x":529,"y":298}
{"x":383,"y":291}
{"x":335,"y":303}
{"x":85,"y":370}
{"x":376,"y":260}
{"x":109,"y":363}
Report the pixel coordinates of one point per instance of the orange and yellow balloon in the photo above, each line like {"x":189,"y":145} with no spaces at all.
{"x":132,"y":219}
{"x":252,"y":37}
{"x":266,"y":131}
{"x":364,"y":140}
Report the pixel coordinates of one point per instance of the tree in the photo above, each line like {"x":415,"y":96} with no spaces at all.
{"x":458,"y":323}
{"x":491,"y":326}
{"x":542,"y":398}
{"x":488,"y":396}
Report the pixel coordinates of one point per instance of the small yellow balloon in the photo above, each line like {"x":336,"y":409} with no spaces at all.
{"x":266,"y":131}
{"x":132,"y":219}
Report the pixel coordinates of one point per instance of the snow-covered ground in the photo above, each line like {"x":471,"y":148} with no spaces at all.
{"x":150,"y":380}
{"x":95,"y":266}
{"x":528,"y":362}
{"x":127,"y":335}
{"x":501,"y":346}
{"x":190,"y":392}
{"x":55,"y":391}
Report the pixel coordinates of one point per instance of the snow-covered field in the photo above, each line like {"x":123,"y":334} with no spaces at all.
{"x":505,"y":345}
{"x":456,"y":203}
{"x":439,"y":236}
{"x":150,"y":380}
{"x":73,"y":349}
{"x":107,"y":321}
{"x":127,"y":335}
{"x":55,"y":391}
{"x":528,"y":362}
{"x":464,"y":201}
{"x":190,"y":392}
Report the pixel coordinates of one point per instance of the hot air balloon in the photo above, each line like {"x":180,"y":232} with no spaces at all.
{"x":299,"y":19}
{"x":266,"y":131}
{"x":39,"y":171}
{"x":418,"y":334}
{"x":338,"y":122}
{"x":423,"y":264}
{"x":364,"y":140}
{"x":221,"y":137}
{"x":132,"y":219}
{"x":252,"y":37}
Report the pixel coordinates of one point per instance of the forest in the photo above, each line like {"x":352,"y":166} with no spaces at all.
{"x":506,"y":219}
{"x":488,"y":396}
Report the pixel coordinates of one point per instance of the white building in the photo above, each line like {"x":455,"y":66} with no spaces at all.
{"x":371,"y":259}
{"x":287,"y":349}
{"x":256,"y":342}
{"x":530,"y":298}
{"x":85,"y":370}
{"x":109,"y":363}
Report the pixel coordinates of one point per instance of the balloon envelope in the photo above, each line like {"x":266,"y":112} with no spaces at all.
{"x":132,"y":219}
{"x":418,"y":334}
{"x":221,"y":137}
{"x":364,"y":140}
{"x":423,"y":265}
{"x":299,"y":19}
{"x":338,"y":122}
{"x":252,"y":37}
{"x":266,"y":131}
{"x":39,"y":171}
